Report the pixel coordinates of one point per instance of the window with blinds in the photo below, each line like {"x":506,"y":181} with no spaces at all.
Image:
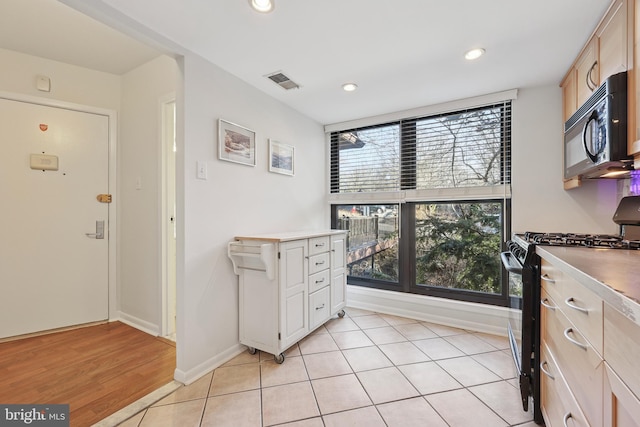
{"x":426,"y":202}
{"x":470,"y":148}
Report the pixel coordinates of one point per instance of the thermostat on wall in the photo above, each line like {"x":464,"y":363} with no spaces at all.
{"x":44,"y":162}
{"x":43,"y":83}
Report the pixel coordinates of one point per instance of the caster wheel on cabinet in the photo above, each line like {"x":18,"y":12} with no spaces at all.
{"x":341,"y":314}
{"x":279,"y":358}
{"x":251,"y":350}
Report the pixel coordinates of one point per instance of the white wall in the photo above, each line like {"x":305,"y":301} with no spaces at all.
{"x":539,"y":201}
{"x":235,"y":199}
{"x":68,"y":83}
{"x":139,"y":162}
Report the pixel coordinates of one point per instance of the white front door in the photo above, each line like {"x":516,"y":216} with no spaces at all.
{"x":52,"y":274}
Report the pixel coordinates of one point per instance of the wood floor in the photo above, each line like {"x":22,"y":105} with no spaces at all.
{"x":97,"y":370}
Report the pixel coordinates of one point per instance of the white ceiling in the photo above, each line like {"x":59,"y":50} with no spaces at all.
{"x":402,"y":53}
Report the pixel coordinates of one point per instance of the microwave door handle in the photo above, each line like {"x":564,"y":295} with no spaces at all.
{"x":592,"y":117}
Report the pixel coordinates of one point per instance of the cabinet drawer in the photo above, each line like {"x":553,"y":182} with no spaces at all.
{"x":581,"y":366}
{"x":318,"y":262}
{"x":558,"y":404}
{"x":551,"y":280}
{"x":318,"y":245}
{"x":622,"y":347}
{"x":318,"y":307}
{"x":584,"y":310}
{"x":319,"y":280}
{"x":581,"y":306}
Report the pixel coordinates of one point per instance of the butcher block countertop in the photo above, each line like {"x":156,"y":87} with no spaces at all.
{"x":613,"y":274}
{"x":287,"y":236}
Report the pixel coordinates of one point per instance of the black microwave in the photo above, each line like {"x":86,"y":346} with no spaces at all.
{"x":595,"y":136}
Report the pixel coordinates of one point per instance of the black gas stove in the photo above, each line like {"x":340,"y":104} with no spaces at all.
{"x":587,"y":240}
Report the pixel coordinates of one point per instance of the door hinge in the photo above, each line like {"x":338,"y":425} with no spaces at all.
{"x":104,"y":198}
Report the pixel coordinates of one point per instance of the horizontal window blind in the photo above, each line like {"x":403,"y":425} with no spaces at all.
{"x":469,"y":148}
{"x":366,"y":160}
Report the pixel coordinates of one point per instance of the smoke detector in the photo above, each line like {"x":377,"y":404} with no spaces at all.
{"x":282,"y":80}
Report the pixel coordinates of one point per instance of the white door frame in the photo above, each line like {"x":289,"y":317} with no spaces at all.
{"x":112,"y":207}
{"x":167,"y":261}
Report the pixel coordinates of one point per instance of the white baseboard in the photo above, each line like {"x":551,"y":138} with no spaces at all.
{"x":459,"y":314}
{"x":191,"y":375}
{"x":137,"y":323}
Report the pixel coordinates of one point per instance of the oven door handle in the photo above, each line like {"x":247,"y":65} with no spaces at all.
{"x":512,"y":266}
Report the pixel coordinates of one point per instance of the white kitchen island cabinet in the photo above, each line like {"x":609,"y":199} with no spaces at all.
{"x":289,"y":284}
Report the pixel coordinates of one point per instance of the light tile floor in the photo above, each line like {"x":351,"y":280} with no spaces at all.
{"x":366,"y":369}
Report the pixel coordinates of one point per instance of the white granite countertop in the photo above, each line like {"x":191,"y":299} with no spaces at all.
{"x":613,"y":274}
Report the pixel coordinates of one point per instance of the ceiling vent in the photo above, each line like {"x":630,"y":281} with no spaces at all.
{"x":283,"y":81}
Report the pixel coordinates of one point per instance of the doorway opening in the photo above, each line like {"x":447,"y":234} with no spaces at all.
{"x":168,"y":220}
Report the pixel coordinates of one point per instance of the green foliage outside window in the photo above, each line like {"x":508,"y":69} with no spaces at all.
{"x":458,"y":246}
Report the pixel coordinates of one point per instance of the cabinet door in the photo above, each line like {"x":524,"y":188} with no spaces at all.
{"x":338,"y":272}
{"x":587,"y":75}
{"x":294,"y":300}
{"x":621,"y":406}
{"x":569,"y":95}
{"x":613,"y":41}
{"x":622,"y":347}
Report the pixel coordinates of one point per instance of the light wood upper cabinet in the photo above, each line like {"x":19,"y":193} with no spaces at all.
{"x":607,"y":52}
{"x":569,"y":94}
{"x":581,"y":79}
{"x":587,"y":76}
{"x":613,"y":40}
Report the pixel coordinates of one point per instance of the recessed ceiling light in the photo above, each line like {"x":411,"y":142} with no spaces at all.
{"x":474,"y":54}
{"x":349,"y":87}
{"x":263,"y":6}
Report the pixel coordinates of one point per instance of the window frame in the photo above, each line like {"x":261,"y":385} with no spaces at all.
{"x":408,"y":197}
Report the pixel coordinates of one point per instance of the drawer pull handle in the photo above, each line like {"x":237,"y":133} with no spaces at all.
{"x":545,"y":303}
{"x":319,"y":245}
{"x":320,"y":281}
{"x":320,"y":308}
{"x":544,"y":371}
{"x":569,"y":301}
{"x":566,"y":418}
{"x":546,"y":278}
{"x":320,"y":263}
{"x":573,"y":341}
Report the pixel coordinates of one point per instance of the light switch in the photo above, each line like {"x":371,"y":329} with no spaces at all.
{"x":202,"y":170}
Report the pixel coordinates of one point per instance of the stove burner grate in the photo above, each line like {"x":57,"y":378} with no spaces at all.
{"x":587,"y":240}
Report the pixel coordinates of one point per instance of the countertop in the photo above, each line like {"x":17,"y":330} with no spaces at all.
{"x":613,"y":274}
{"x":290,"y":235}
